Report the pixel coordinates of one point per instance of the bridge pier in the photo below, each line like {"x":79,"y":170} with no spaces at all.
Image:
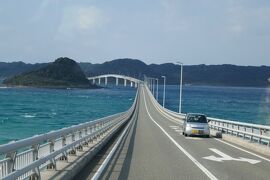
{"x":131,"y":84}
{"x":106,"y":80}
{"x":116,"y":81}
{"x":125,"y":82}
{"x":98,"y":80}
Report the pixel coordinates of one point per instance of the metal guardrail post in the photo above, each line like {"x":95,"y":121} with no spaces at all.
{"x":64,"y":140}
{"x":64,"y":143}
{"x":36,"y":174}
{"x":36,"y":170}
{"x":11,"y":162}
{"x":52,"y":165}
{"x":86,"y":131}
{"x":73,"y":136}
{"x":35,"y":151}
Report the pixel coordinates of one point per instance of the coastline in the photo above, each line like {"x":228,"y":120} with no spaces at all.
{"x":50,"y":87}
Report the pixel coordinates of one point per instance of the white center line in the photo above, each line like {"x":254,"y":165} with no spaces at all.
{"x":204,"y":170}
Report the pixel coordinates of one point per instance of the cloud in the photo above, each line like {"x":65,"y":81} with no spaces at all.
{"x":80,"y":19}
{"x":253,"y":20}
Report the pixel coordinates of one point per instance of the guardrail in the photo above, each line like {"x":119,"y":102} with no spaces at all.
{"x":25,"y":158}
{"x":174,"y":115}
{"x":253,"y":132}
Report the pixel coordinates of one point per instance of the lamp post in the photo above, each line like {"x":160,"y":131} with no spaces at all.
{"x":151,"y":84}
{"x":181,"y":86}
{"x":157,"y":90}
{"x":164,"y":90}
{"x":153,"y":88}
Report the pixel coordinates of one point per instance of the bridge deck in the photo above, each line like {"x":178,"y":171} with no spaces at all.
{"x":156,"y":149}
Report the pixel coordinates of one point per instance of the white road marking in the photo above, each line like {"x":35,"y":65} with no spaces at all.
{"x":225,"y":157}
{"x":193,"y":138}
{"x":197,"y":163}
{"x":243,"y":150}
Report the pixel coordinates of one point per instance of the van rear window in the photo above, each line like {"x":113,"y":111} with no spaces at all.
{"x":197,"y":118}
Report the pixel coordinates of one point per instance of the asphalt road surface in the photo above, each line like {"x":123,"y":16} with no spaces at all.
{"x":155,"y":148}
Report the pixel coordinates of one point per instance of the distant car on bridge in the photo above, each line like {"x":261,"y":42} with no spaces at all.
{"x":196,"y":124}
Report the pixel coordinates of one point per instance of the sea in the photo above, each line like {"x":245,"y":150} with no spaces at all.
{"x":25,"y":112}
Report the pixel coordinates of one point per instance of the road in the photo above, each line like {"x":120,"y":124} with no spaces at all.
{"x":155,"y":148}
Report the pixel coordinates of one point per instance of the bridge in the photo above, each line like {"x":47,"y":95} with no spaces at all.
{"x":145,"y":142}
{"x":133,"y":81}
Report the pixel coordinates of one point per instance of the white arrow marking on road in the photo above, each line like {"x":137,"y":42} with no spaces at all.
{"x":225,"y":157}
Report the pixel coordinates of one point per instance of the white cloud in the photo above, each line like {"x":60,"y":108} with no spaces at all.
{"x":77,"y":19}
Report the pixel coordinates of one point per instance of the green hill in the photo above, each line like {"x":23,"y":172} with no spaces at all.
{"x":217,"y":75}
{"x":62,"y":73}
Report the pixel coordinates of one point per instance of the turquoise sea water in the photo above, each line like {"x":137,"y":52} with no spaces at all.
{"x":25,"y":112}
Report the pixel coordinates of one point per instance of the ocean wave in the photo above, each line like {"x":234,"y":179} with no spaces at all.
{"x":28,"y":116}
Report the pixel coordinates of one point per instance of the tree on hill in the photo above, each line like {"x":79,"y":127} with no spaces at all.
{"x":63,"y":72}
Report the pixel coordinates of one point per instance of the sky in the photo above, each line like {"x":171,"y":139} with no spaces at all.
{"x":154,"y":31}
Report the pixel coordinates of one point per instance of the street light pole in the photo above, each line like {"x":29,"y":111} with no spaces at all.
{"x":153,"y":91}
{"x":152,"y":85}
{"x":164,"y":90}
{"x":181,"y":87}
{"x":157,"y":90}
{"x":149,"y":80}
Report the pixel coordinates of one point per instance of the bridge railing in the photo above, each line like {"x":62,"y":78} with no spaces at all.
{"x":25,"y":158}
{"x":174,"y":115}
{"x":253,"y":132}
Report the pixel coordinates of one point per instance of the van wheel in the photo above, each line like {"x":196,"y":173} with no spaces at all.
{"x":186,"y":135}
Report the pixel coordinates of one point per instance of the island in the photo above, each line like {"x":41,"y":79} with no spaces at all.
{"x":62,"y":73}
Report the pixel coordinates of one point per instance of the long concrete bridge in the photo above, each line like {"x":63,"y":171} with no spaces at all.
{"x":145,"y":142}
{"x":98,"y":79}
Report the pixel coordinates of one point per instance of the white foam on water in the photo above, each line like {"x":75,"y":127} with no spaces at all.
{"x":28,"y":116}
